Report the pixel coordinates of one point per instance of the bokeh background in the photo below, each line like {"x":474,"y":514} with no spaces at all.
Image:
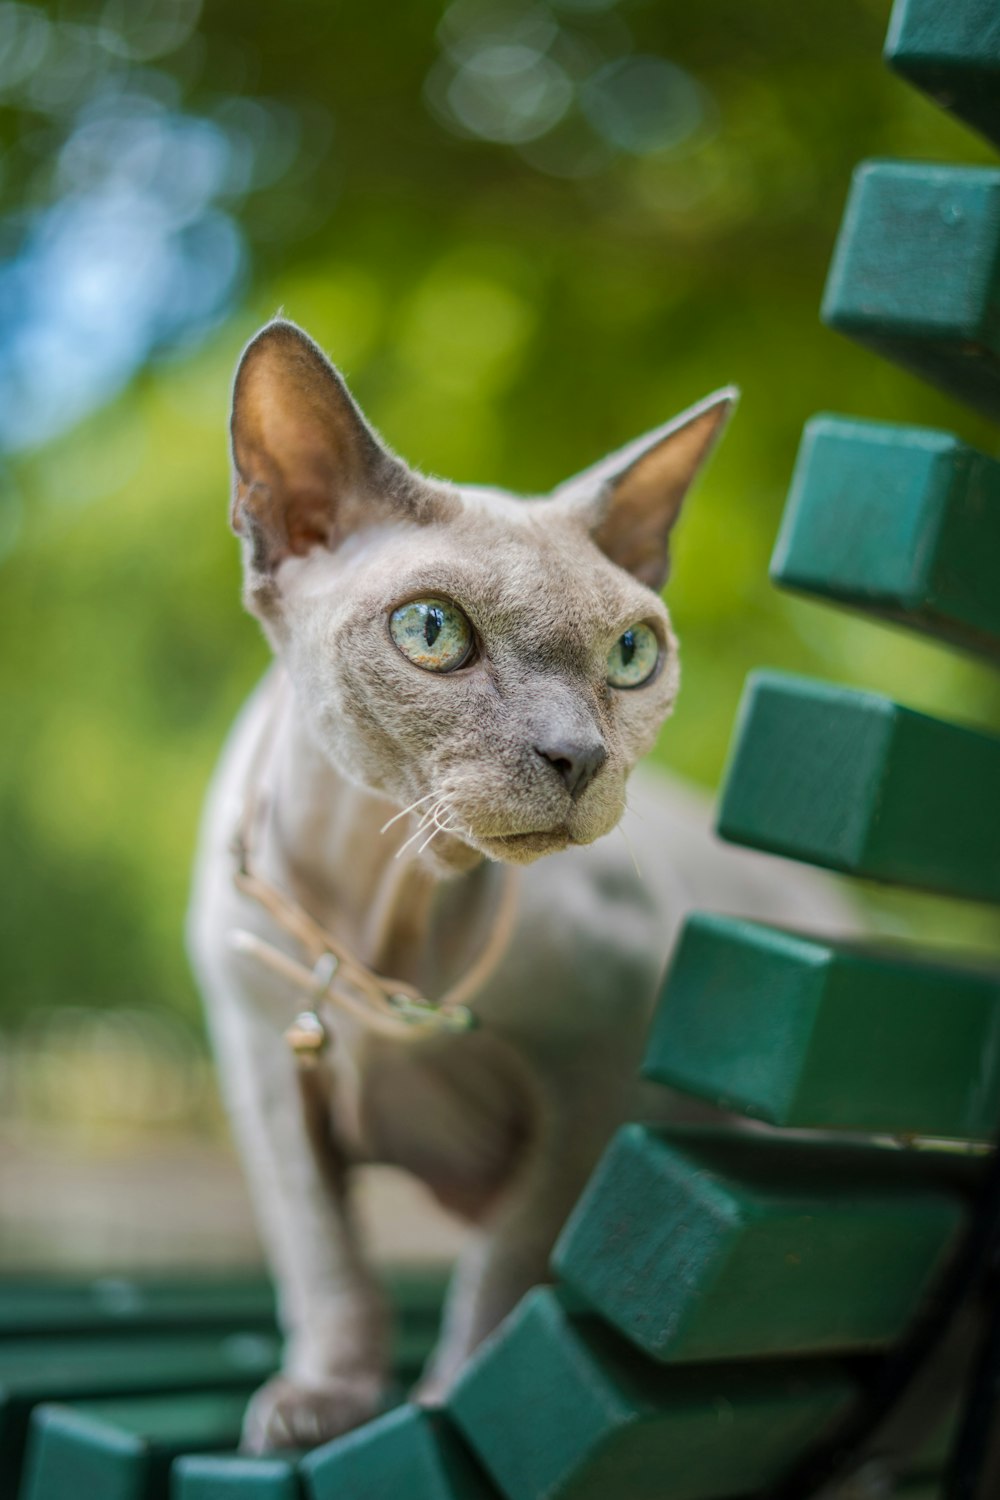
{"x":526,"y":231}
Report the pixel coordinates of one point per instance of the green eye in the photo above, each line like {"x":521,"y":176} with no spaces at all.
{"x":434,"y":634}
{"x":634,"y":657}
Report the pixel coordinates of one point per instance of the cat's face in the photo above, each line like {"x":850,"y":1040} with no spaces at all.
{"x":505,"y":661}
{"x":462,"y":660}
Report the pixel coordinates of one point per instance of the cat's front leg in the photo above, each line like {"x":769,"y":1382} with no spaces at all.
{"x":334,"y":1372}
{"x":510,"y":1253}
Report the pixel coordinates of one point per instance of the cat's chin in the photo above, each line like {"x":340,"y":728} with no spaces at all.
{"x":524,"y":848}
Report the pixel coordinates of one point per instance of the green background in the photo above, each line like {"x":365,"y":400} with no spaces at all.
{"x":499,"y":323}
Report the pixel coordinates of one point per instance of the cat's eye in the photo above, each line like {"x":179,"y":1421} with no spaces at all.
{"x":634,"y":657}
{"x":433,"y":633}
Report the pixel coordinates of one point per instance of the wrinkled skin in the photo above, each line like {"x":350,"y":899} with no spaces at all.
{"x":506,"y":1123}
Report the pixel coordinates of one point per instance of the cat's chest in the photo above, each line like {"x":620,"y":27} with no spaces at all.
{"x":454,"y":1112}
{"x":562,"y":998}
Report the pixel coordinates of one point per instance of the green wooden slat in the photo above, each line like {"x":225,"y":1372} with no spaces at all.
{"x":408,"y":1452}
{"x":417,"y":1295}
{"x":951,"y":50}
{"x":714,"y":1244}
{"x":59,"y":1305}
{"x":33,"y":1371}
{"x":916,"y":274}
{"x":231,"y":1477}
{"x":128,"y":1359}
{"x":852,"y":781}
{"x":62,"y":1305}
{"x":557,"y":1407}
{"x":901,"y":521}
{"x":818,"y":1034}
{"x":410,"y":1350}
{"x":123,"y":1450}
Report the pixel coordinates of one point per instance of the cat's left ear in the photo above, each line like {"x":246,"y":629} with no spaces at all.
{"x":308,"y":470}
{"x":630,"y":500}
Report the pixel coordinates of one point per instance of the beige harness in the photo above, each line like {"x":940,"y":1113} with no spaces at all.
{"x":332,"y":973}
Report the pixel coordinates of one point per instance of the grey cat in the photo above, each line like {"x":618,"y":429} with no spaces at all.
{"x":475,"y":675}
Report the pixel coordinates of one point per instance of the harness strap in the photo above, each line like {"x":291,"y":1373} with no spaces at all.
{"x":332,"y":973}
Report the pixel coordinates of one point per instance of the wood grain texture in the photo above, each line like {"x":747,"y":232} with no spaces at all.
{"x":716,"y":1245}
{"x":902,"y":522}
{"x":816,"y":1034}
{"x":557,"y":1408}
{"x":951,"y":50}
{"x":916,"y":274}
{"x":852,"y":781}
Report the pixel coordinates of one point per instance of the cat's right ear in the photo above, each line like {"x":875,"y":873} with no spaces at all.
{"x":630,"y":500}
{"x":307,"y":468}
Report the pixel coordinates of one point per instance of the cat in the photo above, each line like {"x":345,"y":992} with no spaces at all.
{"x":476,"y":674}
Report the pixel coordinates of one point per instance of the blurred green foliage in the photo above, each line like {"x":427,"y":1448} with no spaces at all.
{"x":500,"y":324}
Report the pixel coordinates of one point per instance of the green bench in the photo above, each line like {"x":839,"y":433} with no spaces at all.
{"x":106,"y":1386}
{"x":734,"y":1312}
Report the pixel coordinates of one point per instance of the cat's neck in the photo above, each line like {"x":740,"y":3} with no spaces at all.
{"x":409,"y":915}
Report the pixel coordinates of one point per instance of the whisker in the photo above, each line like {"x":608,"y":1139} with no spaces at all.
{"x":404,"y":810}
{"x":428,"y":817}
{"x":449,"y":827}
{"x":421,"y":829}
{"x":430,"y":838}
{"x":439,"y":827}
{"x":631,"y":851}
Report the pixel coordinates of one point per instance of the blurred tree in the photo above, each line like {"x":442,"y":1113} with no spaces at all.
{"x":526,"y":231}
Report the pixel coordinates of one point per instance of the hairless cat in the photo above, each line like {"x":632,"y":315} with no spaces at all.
{"x":464,"y":681}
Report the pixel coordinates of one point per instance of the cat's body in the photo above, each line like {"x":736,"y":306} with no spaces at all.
{"x":529,"y":755}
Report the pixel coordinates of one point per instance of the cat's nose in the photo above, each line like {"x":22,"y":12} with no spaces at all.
{"x":576,"y":763}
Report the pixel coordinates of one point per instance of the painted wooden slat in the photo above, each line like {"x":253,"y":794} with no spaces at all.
{"x":119,"y":1304}
{"x":407,"y":1452}
{"x":62,"y":1305}
{"x":903,"y":522}
{"x":951,"y":50}
{"x":417,"y":1294}
{"x":556,"y":1406}
{"x":847,"y":1035}
{"x":232,"y":1477}
{"x":33,"y":1371}
{"x":410,"y":1350}
{"x":916,"y":274}
{"x":720,"y":1244}
{"x":836,"y":777}
{"x":123,"y":1450}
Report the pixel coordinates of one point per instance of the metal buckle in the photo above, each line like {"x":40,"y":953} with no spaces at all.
{"x":307,"y":1037}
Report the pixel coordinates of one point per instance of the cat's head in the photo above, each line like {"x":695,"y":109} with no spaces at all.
{"x":506,"y":660}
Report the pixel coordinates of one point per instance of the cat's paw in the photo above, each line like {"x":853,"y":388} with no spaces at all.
{"x":288,"y":1413}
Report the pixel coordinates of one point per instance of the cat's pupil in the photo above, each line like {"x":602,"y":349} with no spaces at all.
{"x":628,"y":647}
{"x":433,"y":621}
